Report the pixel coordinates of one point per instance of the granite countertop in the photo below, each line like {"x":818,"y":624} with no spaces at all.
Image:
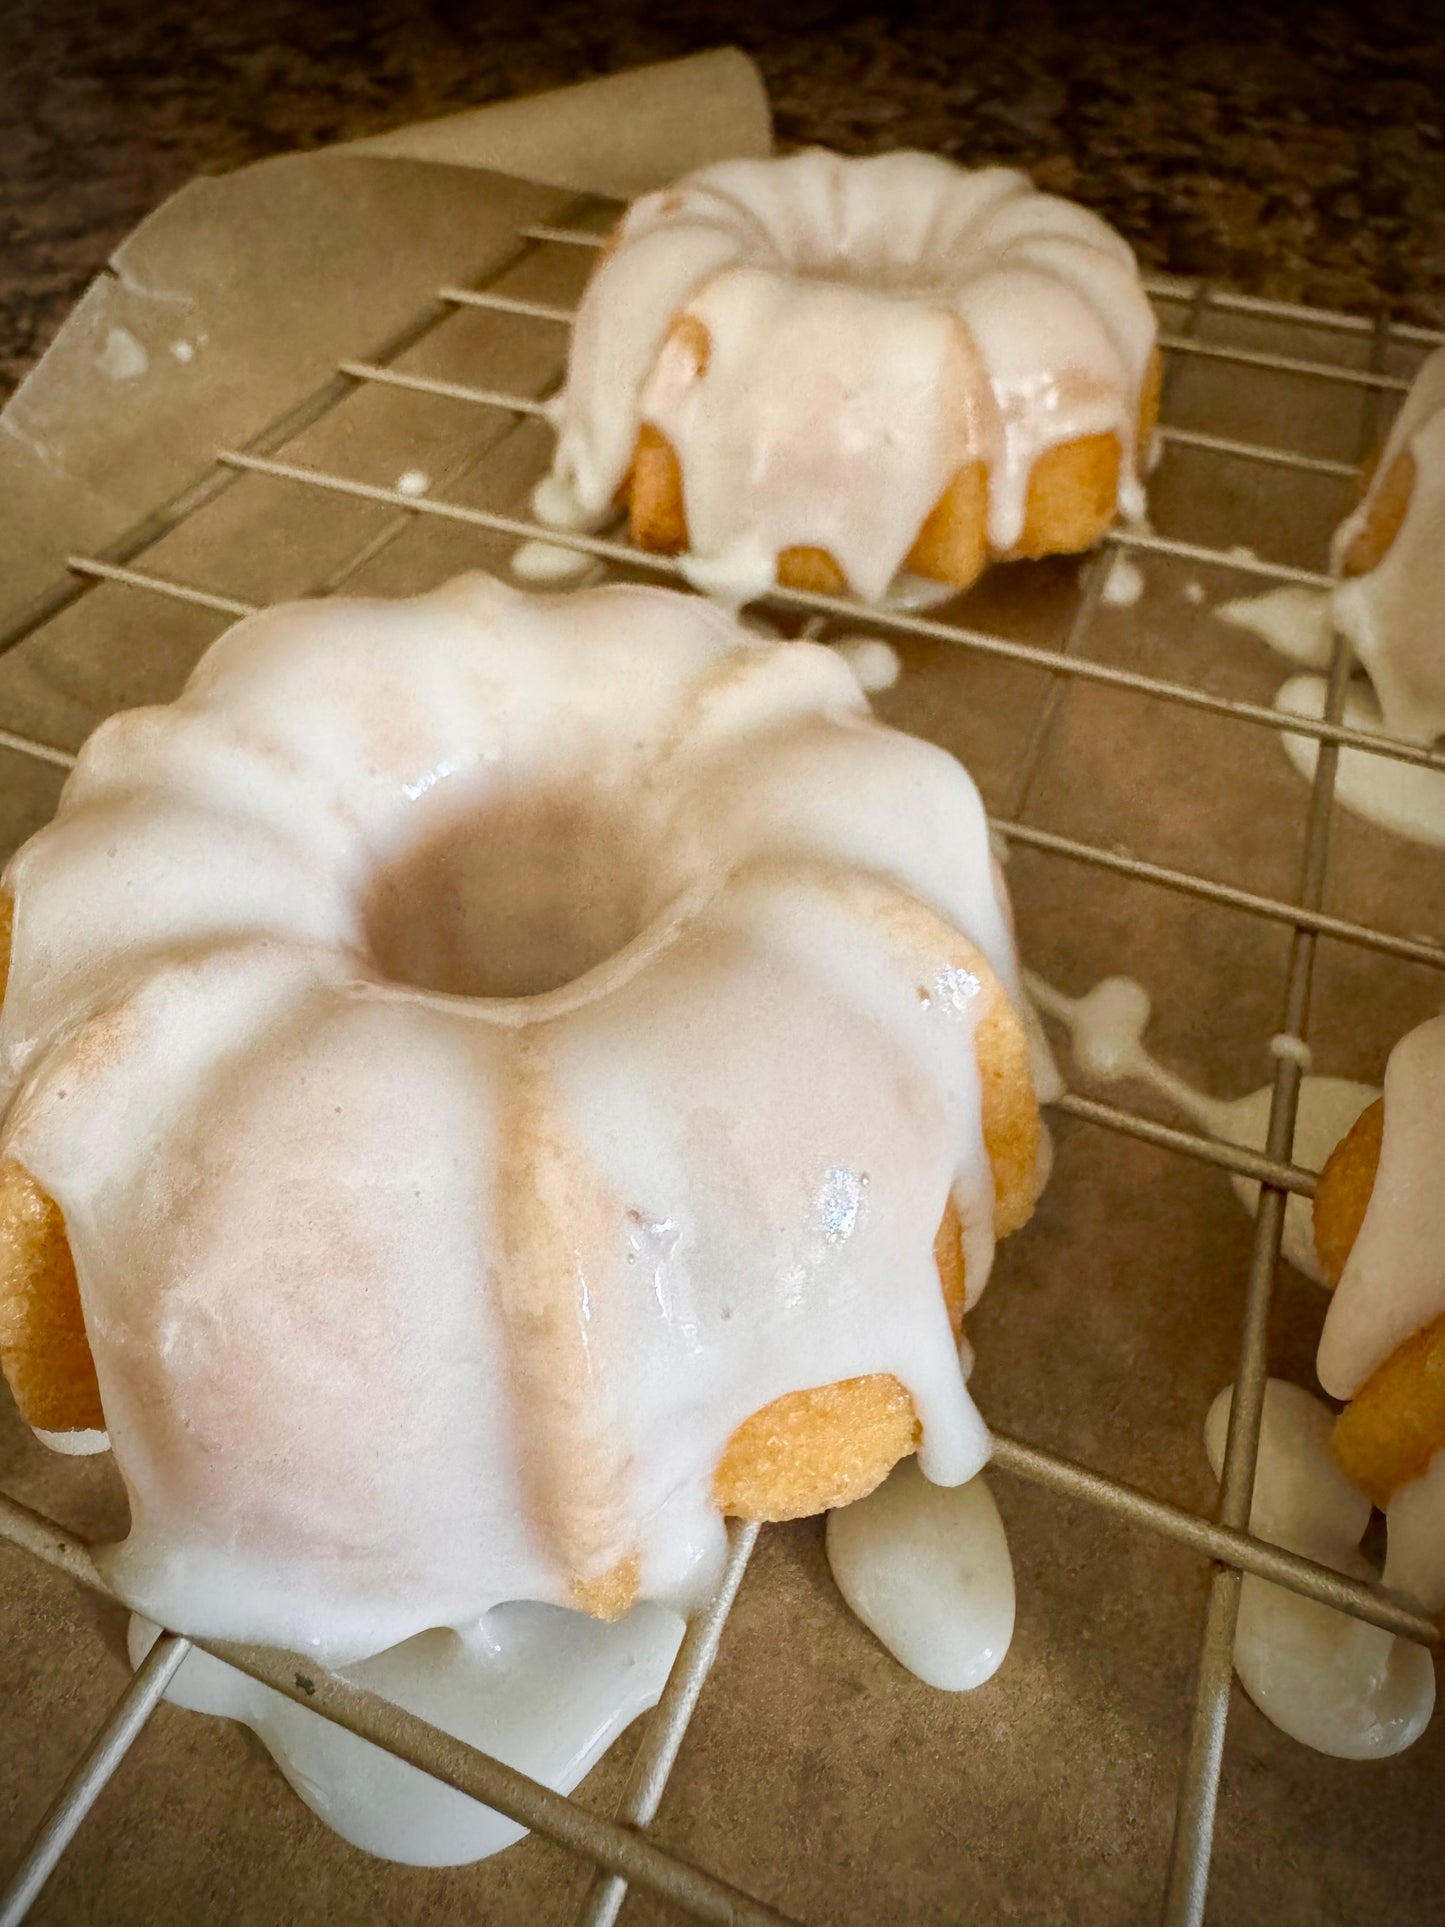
{"x":1301,"y":157}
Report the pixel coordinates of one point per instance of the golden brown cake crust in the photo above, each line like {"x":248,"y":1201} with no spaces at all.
{"x":948,"y":1256}
{"x":654,"y":491}
{"x":1342,"y":1194}
{"x":952,"y":545}
{"x":1149,"y":397}
{"x":43,"y":1347}
{"x":810,"y":1451}
{"x":1072,"y":498}
{"x":610,"y":1596}
{"x":1010,"y":1114}
{"x":811,"y":570}
{"x":44,"y":1352}
{"x":1394,"y":1425}
{"x":1374,"y":541}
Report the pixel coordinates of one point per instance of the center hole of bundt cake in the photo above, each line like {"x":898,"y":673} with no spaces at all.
{"x":507,"y":897}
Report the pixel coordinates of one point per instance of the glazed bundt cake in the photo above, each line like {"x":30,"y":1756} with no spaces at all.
{"x":495,"y":1085}
{"x":1380,"y":1233}
{"x":825,"y":371}
{"x":1391,"y":554}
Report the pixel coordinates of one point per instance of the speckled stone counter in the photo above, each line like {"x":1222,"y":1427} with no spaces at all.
{"x":1301,"y":157}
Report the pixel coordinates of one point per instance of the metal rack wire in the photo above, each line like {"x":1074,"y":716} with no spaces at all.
{"x":619,"y":1849}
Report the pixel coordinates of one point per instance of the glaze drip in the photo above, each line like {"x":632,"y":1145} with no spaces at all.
{"x":1106,"y":1029}
{"x":1328,"y":1680}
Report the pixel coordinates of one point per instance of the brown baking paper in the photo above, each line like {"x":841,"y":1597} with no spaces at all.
{"x":235,"y":300}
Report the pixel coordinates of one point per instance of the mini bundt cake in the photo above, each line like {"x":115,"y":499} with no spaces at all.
{"x":1380,"y":1234}
{"x":495,"y":1085}
{"x":1391,"y":554}
{"x":823,"y":371}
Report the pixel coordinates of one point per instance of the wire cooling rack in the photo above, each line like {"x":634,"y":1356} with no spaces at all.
{"x":1369,"y":369}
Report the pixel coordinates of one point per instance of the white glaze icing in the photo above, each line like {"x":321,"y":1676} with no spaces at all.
{"x":1394,"y":1279}
{"x":1293,"y":620}
{"x":548,"y":562}
{"x":917,"y":593}
{"x":74,"y":1445}
{"x":1398,"y":796}
{"x":1124,"y":583}
{"x":1284,"y":1043}
{"x":123,"y":358}
{"x":1415,"y":1518}
{"x":832,"y":291}
{"x":542,"y":1688}
{"x":927,"y":1570}
{"x":1320,"y":1675}
{"x":874,"y":663}
{"x":1395,"y":614}
{"x":556,"y":504}
{"x":412,"y":1297}
{"x":1106,"y":1030}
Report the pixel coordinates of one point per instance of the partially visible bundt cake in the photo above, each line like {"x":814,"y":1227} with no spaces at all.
{"x":825,"y":371}
{"x":1391,"y":554}
{"x":1380,"y":1233}
{"x":496,"y":1084}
